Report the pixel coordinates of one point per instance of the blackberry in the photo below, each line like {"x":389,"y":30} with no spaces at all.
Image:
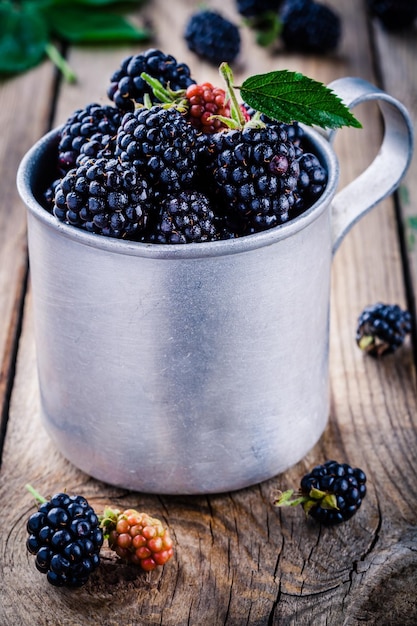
{"x":66,"y":538}
{"x":91,"y":130}
{"x":331,"y":493}
{"x":394,"y":14}
{"x":382,"y":328}
{"x":308,"y":26}
{"x":256,"y":175}
{"x":127,"y":87}
{"x":104,"y":196}
{"x":185,"y":218}
{"x":254,"y":8}
{"x":161,"y":143}
{"x":312,"y":180}
{"x":212,"y":37}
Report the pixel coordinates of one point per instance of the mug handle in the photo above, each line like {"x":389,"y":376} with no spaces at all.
{"x":384,"y":174}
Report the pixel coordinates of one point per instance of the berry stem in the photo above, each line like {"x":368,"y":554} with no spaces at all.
{"x":35,"y":494}
{"x":59,"y":62}
{"x":235,"y":110}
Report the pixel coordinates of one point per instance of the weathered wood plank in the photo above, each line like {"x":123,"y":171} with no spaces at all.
{"x":238,"y":560}
{"x":24,"y":112}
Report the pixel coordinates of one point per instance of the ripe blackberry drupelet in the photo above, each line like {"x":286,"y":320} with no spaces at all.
{"x":185,"y":218}
{"x":308,"y":26}
{"x":90,"y":131}
{"x":212,"y":37}
{"x":161,"y":143}
{"x":382,"y":329}
{"x":104,"y":196}
{"x":394,"y":14}
{"x":66,"y":538}
{"x":256,"y":174}
{"x":331,"y":493}
{"x":127,"y":87}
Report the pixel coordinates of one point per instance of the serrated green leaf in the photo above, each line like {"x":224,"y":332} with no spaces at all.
{"x":87,"y":25}
{"x":23,"y":37}
{"x":290,"y":96}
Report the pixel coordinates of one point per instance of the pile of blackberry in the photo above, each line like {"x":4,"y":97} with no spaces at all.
{"x":66,"y":538}
{"x":167,"y":173}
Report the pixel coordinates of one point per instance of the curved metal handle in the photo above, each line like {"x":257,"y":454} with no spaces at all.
{"x":384,"y":174}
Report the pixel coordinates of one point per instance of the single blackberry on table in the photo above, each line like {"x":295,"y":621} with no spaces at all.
{"x":382,"y":329}
{"x":331,"y":493}
{"x":308,"y":26}
{"x":137,"y":538}
{"x":104,"y":196}
{"x":256,"y":173}
{"x":91,"y":130}
{"x":187,"y":217}
{"x":127,"y":87}
{"x":254,"y":8}
{"x":394,"y":14}
{"x":212,"y":37}
{"x":66,"y":537}
{"x":161,"y":143}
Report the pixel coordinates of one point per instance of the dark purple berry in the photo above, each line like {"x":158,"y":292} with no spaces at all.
{"x":212,"y":37}
{"x":382,"y":329}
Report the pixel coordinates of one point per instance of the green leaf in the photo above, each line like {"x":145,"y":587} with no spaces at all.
{"x":23,"y":37}
{"x":87,"y":25}
{"x":290,"y":96}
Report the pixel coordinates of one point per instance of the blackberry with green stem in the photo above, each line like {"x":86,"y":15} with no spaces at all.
{"x":65,"y":537}
{"x":330,"y":493}
{"x":382,"y":329}
{"x":127,"y":87}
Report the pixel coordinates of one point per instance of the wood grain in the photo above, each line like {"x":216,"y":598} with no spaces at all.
{"x":238,"y":559}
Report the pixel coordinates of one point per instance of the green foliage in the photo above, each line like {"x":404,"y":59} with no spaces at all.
{"x":28,"y":26}
{"x":290,"y":96}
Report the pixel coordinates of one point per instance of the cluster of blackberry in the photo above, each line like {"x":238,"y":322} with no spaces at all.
{"x":166,"y":172}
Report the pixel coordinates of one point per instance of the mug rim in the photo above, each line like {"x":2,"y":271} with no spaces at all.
{"x":27,"y":176}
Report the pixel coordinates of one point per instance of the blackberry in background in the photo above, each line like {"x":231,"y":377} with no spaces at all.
{"x":394,"y":14}
{"x":105,"y":197}
{"x":185,"y":218}
{"x":91,"y":130}
{"x":212,"y":37}
{"x":127,"y":87}
{"x":161,"y":143}
{"x":382,"y":329}
{"x":254,"y":8}
{"x":66,"y":538}
{"x":308,"y":26}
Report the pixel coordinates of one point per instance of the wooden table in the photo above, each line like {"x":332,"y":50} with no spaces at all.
{"x":238,"y":559}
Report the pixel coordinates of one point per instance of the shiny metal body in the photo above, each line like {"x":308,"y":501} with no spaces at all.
{"x":194,"y":368}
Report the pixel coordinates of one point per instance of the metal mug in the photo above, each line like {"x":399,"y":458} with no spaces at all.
{"x":196,"y":368}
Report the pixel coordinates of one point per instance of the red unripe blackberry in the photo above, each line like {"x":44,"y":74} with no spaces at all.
{"x":205,"y":100}
{"x":331,"y":493}
{"x":137,"y":538}
{"x":66,"y":538}
{"x":382,"y":328}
